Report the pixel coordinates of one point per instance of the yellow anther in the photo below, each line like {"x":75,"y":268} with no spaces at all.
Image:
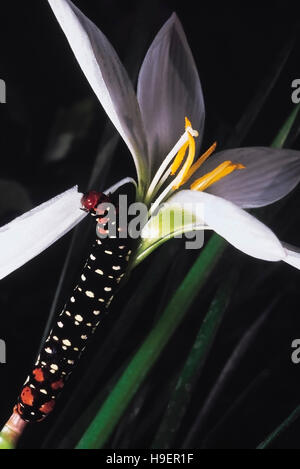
{"x":216,"y":175}
{"x":181,"y":154}
{"x":188,"y":124}
{"x":188,"y":163}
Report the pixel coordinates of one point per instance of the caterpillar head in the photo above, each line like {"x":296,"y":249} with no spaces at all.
{"x":92,"y":199}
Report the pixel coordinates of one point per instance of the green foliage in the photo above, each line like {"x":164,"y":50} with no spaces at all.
{"x":108,"y":416}
{"x":181,"y":396}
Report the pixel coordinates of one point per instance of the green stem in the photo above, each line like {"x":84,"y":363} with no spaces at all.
{"x":108,"y":416}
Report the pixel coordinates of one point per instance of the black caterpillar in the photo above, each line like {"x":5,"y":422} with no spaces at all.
{"x":99,"y":280}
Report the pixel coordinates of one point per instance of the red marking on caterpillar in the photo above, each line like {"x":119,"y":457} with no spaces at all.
{"x":57,"y":385}
{"x":27,"y":396}
{"x":100,"y":211}
{"x":101,"y":230}
{"x":48,"y":407}
{"x":38,"y":375}
{"x":103,"y":220}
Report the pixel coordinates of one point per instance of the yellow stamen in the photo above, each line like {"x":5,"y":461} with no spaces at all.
{"x":188,"y":163}
{"x":180,"y":155}
{"x":179,"y":158}
{"x":186,"y":142}
{"x":200,"y":162}
{"x":214,"y":176}
{"x":188,"y":123}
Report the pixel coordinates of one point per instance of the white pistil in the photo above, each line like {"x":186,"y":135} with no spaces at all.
{"x":169,"y":158}
{"x":165,"y":194}
{"x":162,"y":181}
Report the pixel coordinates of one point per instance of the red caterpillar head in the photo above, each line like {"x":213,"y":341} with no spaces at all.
{"x":92,"y":199}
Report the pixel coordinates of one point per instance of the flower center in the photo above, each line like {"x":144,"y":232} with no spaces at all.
{"x":189,"y":168}
{"x":183,"y":156}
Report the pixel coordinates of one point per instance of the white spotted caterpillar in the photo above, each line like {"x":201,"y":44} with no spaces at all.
{"x":99,"y":280}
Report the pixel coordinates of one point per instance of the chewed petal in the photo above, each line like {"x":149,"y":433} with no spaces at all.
{"x":169,"y":89}
{"x":269,"y":176}
{"x":29,"y":235}
{"x":106,"y":75}
{"x":235,"y":225}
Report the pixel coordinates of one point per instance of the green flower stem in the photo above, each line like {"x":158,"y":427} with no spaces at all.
{"x":11,"y":432}
{"x":6,"y":443}
{"x":181,"y":395}
{"x":108,"y":416}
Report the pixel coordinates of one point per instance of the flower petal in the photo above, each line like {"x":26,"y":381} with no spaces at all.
{"x":168,"y":90}
{"x":235,"y":225}
{"x":269,"y":176}
{"x":106,"y":75}
{"x":292,"y":255}
{"x":27,"y":236}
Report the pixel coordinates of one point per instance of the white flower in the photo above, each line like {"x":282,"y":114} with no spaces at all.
{"x":151,"y":123}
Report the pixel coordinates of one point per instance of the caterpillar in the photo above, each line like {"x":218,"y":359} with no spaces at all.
{"x":103,"y":271}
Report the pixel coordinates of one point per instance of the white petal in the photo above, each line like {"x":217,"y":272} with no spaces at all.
{"x":106,"y":75}
{"x":269,"y":175}
{"x":169,"y":89}
{"x":238,"y":227}
{"x":292,"y":255}
{"x":27,"y":236}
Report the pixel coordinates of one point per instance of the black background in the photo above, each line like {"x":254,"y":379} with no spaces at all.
{"x":235,"y":47}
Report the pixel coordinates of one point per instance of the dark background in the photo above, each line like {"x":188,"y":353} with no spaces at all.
{"x":236,"y":48}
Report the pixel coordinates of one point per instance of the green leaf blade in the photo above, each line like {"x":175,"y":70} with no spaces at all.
{"x":181,"y":396}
